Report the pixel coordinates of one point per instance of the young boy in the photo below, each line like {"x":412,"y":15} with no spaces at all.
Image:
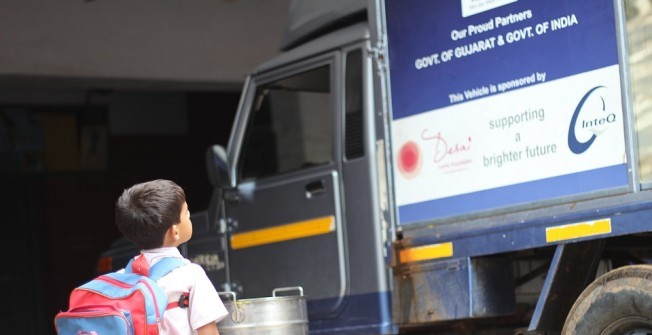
{"x":154,"y":215}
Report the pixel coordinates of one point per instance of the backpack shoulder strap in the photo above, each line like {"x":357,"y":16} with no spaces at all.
{"x":164,"y":266}
{"x":138,"y":265}
{"x":156,"y":271}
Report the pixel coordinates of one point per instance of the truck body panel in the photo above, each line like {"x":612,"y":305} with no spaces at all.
{"x":543,"y":128}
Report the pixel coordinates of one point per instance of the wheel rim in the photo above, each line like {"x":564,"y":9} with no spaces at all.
{"x":629,"y":325}
{"x":639,"y":332}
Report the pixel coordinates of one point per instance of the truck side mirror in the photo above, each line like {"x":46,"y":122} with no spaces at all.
{"x":217,"y":167}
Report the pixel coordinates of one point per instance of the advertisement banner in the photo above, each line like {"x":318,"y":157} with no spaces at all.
{"x":499,"y":103}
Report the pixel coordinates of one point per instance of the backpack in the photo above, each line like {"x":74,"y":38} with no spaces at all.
{"x":129,"y":303}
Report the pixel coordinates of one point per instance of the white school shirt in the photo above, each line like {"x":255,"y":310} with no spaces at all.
{"x":205,"y":304}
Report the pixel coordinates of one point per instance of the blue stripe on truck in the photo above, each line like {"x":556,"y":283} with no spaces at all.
{"x":550,"y":188}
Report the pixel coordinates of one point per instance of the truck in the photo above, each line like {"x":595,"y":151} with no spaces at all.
{"x":442,"y":167}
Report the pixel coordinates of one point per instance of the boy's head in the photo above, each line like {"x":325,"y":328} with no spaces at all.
{"x":146,"y":211}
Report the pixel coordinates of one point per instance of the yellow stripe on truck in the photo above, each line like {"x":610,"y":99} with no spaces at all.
{"x":426,"y":252}
{"x":577,"y":230}
{"x":286,"y":232}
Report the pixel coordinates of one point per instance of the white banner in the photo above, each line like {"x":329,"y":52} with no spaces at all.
{"x":521,"y":135}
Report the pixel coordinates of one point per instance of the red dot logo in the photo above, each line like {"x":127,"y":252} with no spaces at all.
{"x":409,"y":159}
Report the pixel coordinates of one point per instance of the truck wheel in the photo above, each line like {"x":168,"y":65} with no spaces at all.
{"x":617,"y":303}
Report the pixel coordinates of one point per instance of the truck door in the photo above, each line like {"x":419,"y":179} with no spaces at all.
{"x":284,"y":212}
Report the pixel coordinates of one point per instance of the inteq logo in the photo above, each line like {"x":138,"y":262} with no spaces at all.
{"x":590,"y":119}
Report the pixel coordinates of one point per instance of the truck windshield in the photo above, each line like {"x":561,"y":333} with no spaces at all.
{"x":290,"y":125}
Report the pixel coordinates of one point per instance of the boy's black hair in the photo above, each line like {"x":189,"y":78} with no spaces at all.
{"x":145,"y":211}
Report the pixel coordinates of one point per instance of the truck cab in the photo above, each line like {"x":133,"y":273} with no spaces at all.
{"x":303,"y":193}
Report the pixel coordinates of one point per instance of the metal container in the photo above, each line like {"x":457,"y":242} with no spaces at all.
{"x":275,"y":315}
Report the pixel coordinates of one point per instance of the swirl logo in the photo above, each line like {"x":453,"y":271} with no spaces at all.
{"x":589,"y":120}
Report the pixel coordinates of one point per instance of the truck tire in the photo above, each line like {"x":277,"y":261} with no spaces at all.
{"x":617,"y":303}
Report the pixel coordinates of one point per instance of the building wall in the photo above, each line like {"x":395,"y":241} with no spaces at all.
{"x":194,"y":43}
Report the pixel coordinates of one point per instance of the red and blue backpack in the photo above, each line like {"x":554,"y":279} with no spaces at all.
{"x":128,"y":302}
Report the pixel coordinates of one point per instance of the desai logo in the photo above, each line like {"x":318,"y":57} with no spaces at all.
{"x":590,"y":119}
{"x":409,"y":159}
{"x":446,"y":155}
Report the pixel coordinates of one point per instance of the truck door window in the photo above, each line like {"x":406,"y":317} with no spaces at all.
{"x":290,"y":125}
{"x":354,"y":135}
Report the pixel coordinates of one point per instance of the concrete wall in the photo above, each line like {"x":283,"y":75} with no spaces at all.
{"x":184,"y":44}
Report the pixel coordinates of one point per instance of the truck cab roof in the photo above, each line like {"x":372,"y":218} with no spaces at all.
{"x":329,"y":42}
{"x":308,"y":19}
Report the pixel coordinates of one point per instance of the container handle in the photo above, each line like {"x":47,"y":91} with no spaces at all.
{"x":231,"y":293}
{"x":288,"y":289}
{"x":238,"y":315}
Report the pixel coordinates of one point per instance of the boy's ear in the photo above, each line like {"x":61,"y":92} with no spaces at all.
{"x":173,"y":233}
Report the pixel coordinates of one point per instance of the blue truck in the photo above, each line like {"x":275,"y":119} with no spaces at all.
{"x":443,"y":167}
